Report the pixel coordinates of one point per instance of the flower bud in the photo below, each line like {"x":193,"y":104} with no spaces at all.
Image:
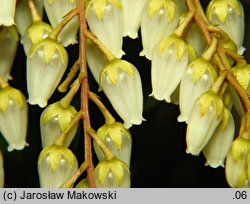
{"x":54,"y":120}
{"x":118,"y":140}
{"x":96,"y":60}
{"x":197,"y":79}
{"x":105,"y":21}
{"x":56,"y":165}
{"x":83,"y":184}
{"x":170,"y":60}
{"x":56,"y":11}
{"x":35,"y":33}
{"x":132,"y":17}
{"x":206,"y":114}
{"x":23,"y":18}
{"x":242,"y":74}
{"x":217,"y":147}
{"x":121,"y":83}
{"x":228,"y":15}
{"x":236,"y":164}
{"x":46,"y":64}
{"x":13,"y":117}
{"x":112,"y":174}
{"x":7,"y":12}
{"x":160,"y":14}
{"x":8,"y":44}
{"x":1,"y":171}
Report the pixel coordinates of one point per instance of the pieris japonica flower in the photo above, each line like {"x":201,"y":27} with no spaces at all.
{"x":169,"y":62}
{"x":13,"y":117}
{"x":121,"y":83}
{"x":160,"y":14}
{"x":7,"y":12}
{"x":96,"y":60}
{"x":35,"y":33}
{"x":46,"y":64}
{"x":104,"y":18}
{"x":118,"y":140}
{"x":56,"y":165}
{"x":8,"y":47}
{"x":217,"y":147}
{"x":181,"y":6}
{"x":196,"y":39}
{"x":23,"y":18}
{"x":229,"y":16}
{"x":56,"y":11}
{"x":242,"y":74}
{"x":132,"y":17}
{"x":197,"y":79}
{"x":83,"y":184}
{"x":236,"y":100}
{"x":206,"y":114}
{"x":54,"y":120}
{"x":236,"y":164}
{"x":112,"y":174}
{"x":1,"y":171}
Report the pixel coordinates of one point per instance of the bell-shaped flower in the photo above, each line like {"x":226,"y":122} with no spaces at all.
{"x":35,"y":33}
{"x":132,"y":11}
{"x":195,"y":38}
{"x":7,"y":12}
{"x":56,"y":11}
{"x":242,"y":74}
{"x":96,"y":60}
{"x":218,"y":146}
{"x":169,"y":62}
{"x":112,"y":173}
{"x":56,"y":165}
{"x":83,"y":184}
{"x":160,"y":14}
{"x":117,"y":139}
{"x":197,"y":79}
{"x":23,"y":18}
{"x":8,"y":45}
{"x":236,"y":164}
{"x":13,"y":117}
{"x":206,"y":114}
{"x":54,"y":120}
{"x":104,"y":18}
{"x":228,"y":15}
{"x":46,"y":64}
{"x":121,"y":83}
{"x":1,"y":171}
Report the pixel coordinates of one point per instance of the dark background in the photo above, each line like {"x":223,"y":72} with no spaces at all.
{"x":158,"y":153}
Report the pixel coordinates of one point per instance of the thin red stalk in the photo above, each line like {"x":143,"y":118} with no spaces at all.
{"x":84,"y":94}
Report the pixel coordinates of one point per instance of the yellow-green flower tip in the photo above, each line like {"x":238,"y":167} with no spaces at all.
{"x":220,"y":8}
{"x":112,"y":69}
{"x":84,"y":183}
{"x":100,"y":5}
{"x":240,"y":148}
{"x":115,"y":131}
{"x":169,"y":6}
{"x":115,"y":165}
{"x":200,"y":66}
{"x":64,"y":115}
{"x":14,"y":94}
{"x":242,"y":74}
{"x":50,"y":46}
{"x":55,"y":154}
{"x":208,"y":99}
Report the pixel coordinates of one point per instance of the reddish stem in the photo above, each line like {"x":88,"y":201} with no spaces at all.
{"x":84,"y":94}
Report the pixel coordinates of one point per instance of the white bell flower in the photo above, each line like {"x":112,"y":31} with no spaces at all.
{"x":56,"y":11}
{"x":104,"y":18}
{"x":121,"y":83}
{"x":7,"y":12}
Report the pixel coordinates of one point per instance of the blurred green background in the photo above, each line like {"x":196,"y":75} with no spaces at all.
{"x":158,"y":153}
